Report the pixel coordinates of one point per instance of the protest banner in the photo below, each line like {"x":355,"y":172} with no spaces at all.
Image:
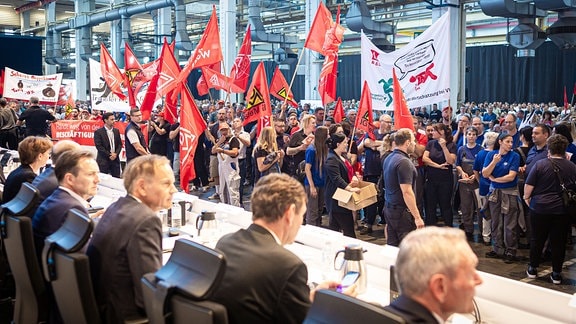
{"x":422,"y":66}
{"x":22,"y":86}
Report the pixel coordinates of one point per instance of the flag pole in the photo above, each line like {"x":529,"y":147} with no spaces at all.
{"x":351,"y":138}
{"x":294,"y":74}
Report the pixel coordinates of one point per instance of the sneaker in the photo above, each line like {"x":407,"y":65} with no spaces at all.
{"x":492,"y":255}
{"x":215,"y":196}
{"x":531,"y":272}
{"x":366,"y":230}
{"x":556,"y":278}
{"x":509,"y":258}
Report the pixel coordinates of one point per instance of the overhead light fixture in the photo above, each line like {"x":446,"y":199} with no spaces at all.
{"x":69,"y":12}
{"x":6,"y":6}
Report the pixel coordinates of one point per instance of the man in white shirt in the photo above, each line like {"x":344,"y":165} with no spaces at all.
{"x":244,"y":139}
{"x":108,"y":144}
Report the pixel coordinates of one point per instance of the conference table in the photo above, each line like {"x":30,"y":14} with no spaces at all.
{"x":499,"y":299}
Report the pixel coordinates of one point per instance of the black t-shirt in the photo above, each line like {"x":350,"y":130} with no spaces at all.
{"x":398,"y":169}
{"x":176,"y":141}
{"x":291,"y":162}
{"x":437,"y":155}
{"x":372,"y":161}
{"x":546,"y":196}
{"x":35,"y":118}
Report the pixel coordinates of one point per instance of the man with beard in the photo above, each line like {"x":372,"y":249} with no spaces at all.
{"x":401,"y":211}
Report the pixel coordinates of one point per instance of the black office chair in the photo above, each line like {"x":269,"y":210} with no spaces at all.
{"x":16,"y":231}
{"x":68,"y":270}
{"x":180,"y":290}
{"x":331,"y":307}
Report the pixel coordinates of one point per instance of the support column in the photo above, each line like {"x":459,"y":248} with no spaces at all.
{"x":457,"y":47}
{"x":83,"y":40}
{"x":116,"y":37}
{"x":24,"y":21}
{"x":163,"y":27}
{"x":312,"y":62}
{"x":50,"y":17}
{"x":228,"y":36}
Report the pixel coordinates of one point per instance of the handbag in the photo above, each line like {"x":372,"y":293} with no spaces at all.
{"x":568,"y":192}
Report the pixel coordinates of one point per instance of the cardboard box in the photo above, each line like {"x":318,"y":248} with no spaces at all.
{"x":354,"y":201}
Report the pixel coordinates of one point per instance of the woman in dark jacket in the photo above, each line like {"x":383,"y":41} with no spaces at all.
{"x":339,"y":174}
{"x":34,"y":152}
{"x":549,"y":217}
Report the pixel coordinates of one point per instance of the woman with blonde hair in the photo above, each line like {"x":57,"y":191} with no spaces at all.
{"x":266,"y":153}
{"x":315,"y":179}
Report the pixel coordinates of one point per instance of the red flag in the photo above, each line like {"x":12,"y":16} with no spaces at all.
{"x":241,"y":69}
{"x":171,"y":108}
{"x":338,"y":111}
{"x":565,"y":98}
{"x":279,"y":88}
{"x":329,"y":73}
{"x":328,"y":76}
{"x":111,"y":73}
{"x":334,"y":35}
{"x":208,"y":50}
{"x":133,"y":71}
{"x":320,"y":26}
{"x":202,"y":86}
{"x":217,"y":80}
{"x":258,"y":107}
{"x":402,"y":115}
{"x":365,"y":119}
{"x":166,"y":73}
{"x":191,"y":127}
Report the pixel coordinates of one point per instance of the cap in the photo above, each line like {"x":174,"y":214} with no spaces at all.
{"x":220,"y":101}
{"x":446,"y":108}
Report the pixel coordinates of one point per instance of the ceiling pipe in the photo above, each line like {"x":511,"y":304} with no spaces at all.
{"x":258,"y":32}
{"x":89,"y":20}
{"x":526,"y":36}
{"x":359,"y":18}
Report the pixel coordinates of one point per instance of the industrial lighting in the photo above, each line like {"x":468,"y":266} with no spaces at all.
{"x":6,"y":5}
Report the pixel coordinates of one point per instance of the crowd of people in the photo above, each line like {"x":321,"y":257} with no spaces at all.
{"x":499,"y":165}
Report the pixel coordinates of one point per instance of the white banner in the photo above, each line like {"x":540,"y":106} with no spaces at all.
{"x":101,"y":96}
{"x":22,"y":86}
{"x":422,"y":67}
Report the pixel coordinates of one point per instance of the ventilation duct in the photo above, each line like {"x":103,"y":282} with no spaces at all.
{"x":258,"y":32}
{"x":358,"y":18}
{"x":526,"y":37}
{"x":563,"y":31}
{"x":90,"y":20}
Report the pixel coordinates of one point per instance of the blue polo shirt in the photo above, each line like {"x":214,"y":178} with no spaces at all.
{"x":484,"y":183}
{"x":535,"y":155}
{"x":319,"y":180}
{"x":398,"y":169}
{"x":509,"y":162}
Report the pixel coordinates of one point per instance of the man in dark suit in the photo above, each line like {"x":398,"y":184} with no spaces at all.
{"x":108,"y":143}
{"x":435,"y":281}
{"x":77,"y":175}
{"x":264,"y":282}
{"x":127,"y":242}
{"x":46,"y":181}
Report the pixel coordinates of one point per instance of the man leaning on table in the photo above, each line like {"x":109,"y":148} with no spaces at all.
{"x":264,"y":282}
{"x":127,"y":243}
{"x":435,"y":281}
